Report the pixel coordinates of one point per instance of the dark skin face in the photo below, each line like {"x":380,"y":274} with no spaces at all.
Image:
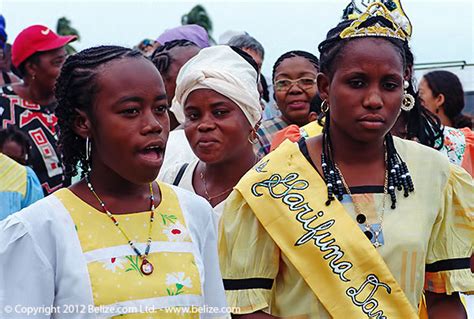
{"x":364,"y":93}
{"x":129,"y":128}
{"x":218,"y":133}
{"x":41,"y":77}
{"x":215,"y":126}
{"x":15,"y":151}
{"x":179,"y":56}
{"x":294,"y":103}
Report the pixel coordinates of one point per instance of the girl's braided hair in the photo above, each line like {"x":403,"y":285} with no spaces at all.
{"x":76,"y":88}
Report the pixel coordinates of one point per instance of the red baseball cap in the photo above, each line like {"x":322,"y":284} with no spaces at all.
{"x":36,"y":38}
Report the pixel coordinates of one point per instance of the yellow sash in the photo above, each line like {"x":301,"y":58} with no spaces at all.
{"x":337,"y":261}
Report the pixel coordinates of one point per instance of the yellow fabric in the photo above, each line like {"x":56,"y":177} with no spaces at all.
{"x":313,"y":237}
{"x":311,"y":129}
{"x":119,"y":279}
{"x":12,"y":176}
{"x":247,"y":251}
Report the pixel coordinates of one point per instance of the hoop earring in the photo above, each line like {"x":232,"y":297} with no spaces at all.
{"x":408,"y":101}
{"x":252,"y":138}
{"x":324,"y":106}
{"x":88,"y":149}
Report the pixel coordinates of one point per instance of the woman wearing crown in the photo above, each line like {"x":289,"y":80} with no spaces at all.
{"x":343,"y":225}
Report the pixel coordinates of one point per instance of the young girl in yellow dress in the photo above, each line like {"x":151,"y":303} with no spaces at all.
{"x":116,"y":243}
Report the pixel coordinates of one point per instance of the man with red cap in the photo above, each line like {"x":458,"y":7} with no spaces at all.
{"x":38,"y":53}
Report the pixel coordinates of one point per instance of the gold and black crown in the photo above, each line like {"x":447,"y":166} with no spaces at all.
{"x":380,"y":19}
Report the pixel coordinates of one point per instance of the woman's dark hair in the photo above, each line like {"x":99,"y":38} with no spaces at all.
{"x":292,"y":54}
{"x":421,"y":124}
{"x":76,"y":88}
{"x":161,"y":57}
{"x":265,"y":93}
{"x":448,"y":84}
{"x":14,"y":134}
{"x":34,"y":58}
{"x":332,"y":48}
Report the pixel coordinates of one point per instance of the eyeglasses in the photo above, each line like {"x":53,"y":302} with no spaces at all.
{"x":286,"y":84}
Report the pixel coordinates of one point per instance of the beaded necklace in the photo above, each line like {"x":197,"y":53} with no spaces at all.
{"x":146,"y":267}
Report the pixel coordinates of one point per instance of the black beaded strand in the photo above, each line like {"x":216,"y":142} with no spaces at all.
{"x":398,"y":175}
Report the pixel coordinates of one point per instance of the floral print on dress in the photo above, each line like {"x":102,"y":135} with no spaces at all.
{"x":113,"y":263}
{"x":165,"y":218}
{"x":134,"y":264}
{"x":454,"y":145}
{"x":178,"y":281}
{"x":176,"y":232}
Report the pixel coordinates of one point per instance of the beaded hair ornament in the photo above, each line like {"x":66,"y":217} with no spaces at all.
{"x":391,"y":20}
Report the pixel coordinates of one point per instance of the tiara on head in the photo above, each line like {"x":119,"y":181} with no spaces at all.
{"x":389,"y":22}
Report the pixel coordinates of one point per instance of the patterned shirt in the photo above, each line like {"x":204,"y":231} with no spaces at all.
{"x":458,"y":146}
{"x":265,"y":134}
{"x":39,"y":123}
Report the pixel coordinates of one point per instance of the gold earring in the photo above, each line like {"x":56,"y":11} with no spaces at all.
{"x":408,"y":101}
{"x":324,"y":106}
{"x":252,"y":138}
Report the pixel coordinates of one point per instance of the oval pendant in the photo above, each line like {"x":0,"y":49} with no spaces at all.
{"x":146,"y":267}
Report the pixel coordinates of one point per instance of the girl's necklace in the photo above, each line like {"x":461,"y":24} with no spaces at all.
{"x":146,"y":267}
{"x":361,"y":218}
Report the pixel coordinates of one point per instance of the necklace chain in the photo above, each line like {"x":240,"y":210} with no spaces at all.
{"x":143,"y":256}
{"x":206,"y":192}
{"x":358,"y":209}
{"x":209,"y":198}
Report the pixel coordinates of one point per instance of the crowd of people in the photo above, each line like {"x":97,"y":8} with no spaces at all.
{"x":158,"y":182}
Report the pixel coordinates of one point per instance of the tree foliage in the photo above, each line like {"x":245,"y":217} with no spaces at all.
{"x":198,"y":15}
{"x":63,"y":27}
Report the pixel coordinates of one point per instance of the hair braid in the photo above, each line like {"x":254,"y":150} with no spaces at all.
{"x":76,"y":87}
{"x":161,"y":57}
{"x":292,"y":54}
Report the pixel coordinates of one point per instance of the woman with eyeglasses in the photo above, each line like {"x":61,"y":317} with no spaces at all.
{"x":294,"y":84}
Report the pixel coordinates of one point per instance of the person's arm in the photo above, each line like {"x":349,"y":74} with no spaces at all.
{"x":447,"y":269}
{"x":444,"y":306}
{"x":34,"y":191}
{"x":249,"y":259}
{"x":26,"y":277}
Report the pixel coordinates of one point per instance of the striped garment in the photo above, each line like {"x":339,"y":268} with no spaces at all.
{"x":19,"y":186}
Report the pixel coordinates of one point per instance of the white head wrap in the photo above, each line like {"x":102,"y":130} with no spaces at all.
{"x":223,"y":70}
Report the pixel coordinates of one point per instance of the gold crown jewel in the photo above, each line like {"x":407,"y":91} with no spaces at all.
{"x":401,"y":26}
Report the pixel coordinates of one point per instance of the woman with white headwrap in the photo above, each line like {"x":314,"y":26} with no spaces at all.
{"x":218,"y":102}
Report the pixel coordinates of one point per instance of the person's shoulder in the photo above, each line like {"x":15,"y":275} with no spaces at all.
{"x":191,"y":201}
{"x":44,"y":211}
{"x":421,"y":156}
